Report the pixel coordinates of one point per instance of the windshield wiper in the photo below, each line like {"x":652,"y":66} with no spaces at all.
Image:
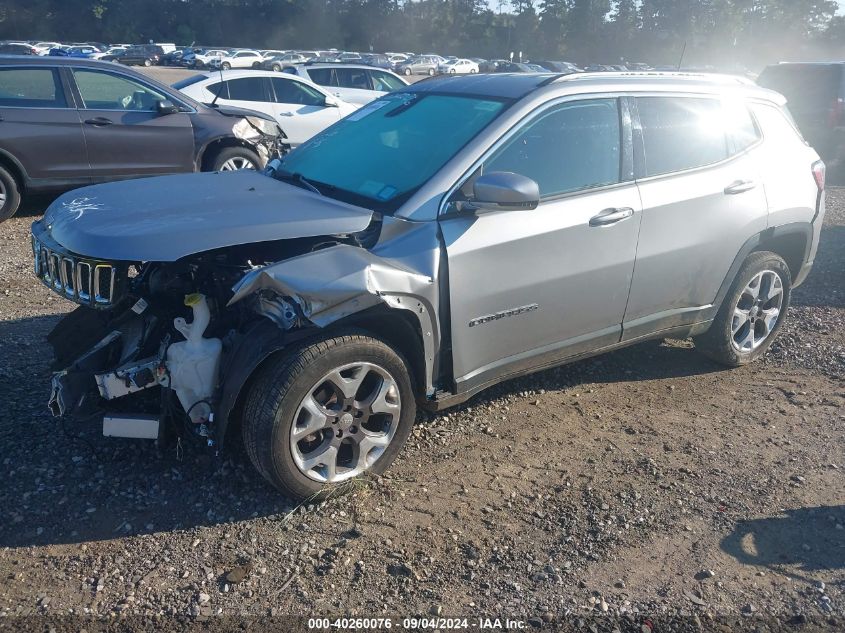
{"x":299,"y":179}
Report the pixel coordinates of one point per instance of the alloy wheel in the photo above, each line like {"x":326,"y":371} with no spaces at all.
{"x":236,"y":163}
{"x":345,"y":422}
{"x":757,"y":311}
{"x":3,"y":195}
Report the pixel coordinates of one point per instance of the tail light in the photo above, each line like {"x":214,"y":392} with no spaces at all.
{"x":819,"y":171}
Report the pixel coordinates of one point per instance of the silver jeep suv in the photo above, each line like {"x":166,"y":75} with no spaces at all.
{"x":446,"y":237}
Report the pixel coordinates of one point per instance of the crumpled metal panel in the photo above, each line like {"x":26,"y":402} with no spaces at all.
{"x":335,"y":282}
{"x":328,"y":283}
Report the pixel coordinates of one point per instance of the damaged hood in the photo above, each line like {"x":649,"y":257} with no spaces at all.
{"x":170,"y":217}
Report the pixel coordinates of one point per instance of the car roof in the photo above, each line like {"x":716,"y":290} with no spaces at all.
{"x":248,"y":72}
{"x":37,"y":60}
{"x":504,"y":85}
{"x":518,"y":85}
{"x":306,"y":66}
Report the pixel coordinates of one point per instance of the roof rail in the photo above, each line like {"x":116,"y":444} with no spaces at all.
{"x":652,"y":74}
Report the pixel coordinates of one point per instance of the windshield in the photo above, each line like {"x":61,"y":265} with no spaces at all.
{"x":382,"y":153}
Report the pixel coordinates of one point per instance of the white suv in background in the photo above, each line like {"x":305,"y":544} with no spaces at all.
{"x":301,"y":108}
{"x":245,"y":58}
{"x":353,"y":83}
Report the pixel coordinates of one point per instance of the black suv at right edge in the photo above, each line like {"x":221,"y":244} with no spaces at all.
{"x":815,"y":92}
{"x":69,"y":122}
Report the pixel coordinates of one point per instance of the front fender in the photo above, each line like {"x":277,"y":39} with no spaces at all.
{"x":333,"y":283}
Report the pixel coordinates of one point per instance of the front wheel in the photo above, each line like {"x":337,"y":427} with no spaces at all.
{"x":752,"y":312}
{"x":234,"y":159}
{"x":407,"y":72}
{"x":328,"y":412}
{"x":276,"y":68}
{"x":148,"y":63}
{"x":226,"y":66}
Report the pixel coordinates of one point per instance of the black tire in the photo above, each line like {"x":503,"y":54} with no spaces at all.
{"x":718,"y":342}
{"x":234,"y":154}
{"x":431,"y":72}
{"x":281,"y":385}
{"x":276,"y":68}
{"x":148,"y":62}
{"x":407,"y":72}
{"x":226,"y":66}
{"x":10,"y":188}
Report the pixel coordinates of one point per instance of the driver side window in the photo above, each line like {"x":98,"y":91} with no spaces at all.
{"x":573,"y":146}
{"x":104,"y":91}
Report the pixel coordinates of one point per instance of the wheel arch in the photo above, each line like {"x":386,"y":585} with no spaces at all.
{"x":792,"y":245}
{"x":15,"y":168}
{"x":790,"y":241}
{"x":212,"y":148}
{"x":264,"y":340}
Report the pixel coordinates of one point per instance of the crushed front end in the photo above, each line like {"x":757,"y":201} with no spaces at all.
{"x":145,"y":345}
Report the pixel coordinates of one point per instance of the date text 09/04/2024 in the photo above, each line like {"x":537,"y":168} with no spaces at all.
{"x":415,"y":624}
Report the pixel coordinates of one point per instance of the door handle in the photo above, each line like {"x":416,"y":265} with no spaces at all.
{"x":739,"y":186}
{"x":611,"y":216}
{"x":98,"y":121}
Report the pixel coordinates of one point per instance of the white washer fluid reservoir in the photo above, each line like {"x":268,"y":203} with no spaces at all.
{"x":194,"y":362}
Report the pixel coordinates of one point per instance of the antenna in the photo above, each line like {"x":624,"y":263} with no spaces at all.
{"x":683,"y":52}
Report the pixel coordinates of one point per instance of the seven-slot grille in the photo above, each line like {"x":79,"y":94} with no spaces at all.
{"x":89,"y":282}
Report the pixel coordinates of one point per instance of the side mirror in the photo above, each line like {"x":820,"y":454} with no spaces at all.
{"x":166,"y":107}
{"x":504,"y":191}
{"x":331,"y":102}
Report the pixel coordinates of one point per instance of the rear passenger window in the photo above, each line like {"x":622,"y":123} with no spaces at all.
{"x":681,"y":133}
{"x":321,"y":76}
{"x":296,"y":92}
{"x":247,"y":89}
{"x":385,"y":82}
{"x":575,"y":146}
{"x":353,"y":78}
{"x":742,"y":130}
{"x":31,"y":88}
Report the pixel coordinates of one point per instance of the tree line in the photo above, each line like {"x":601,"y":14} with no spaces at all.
{"x":705,"y":32}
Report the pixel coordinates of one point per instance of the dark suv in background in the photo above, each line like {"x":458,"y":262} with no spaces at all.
{"x":816,"y":96}
{"x":144,"y":55}
{"x":72,"y":122}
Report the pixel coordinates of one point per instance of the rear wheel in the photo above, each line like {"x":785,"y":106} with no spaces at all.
{"x":10,"y":195}
{"x":234,"y":159}
{"x":148,"y":62}
{"x":752,"y":313}
{"x":325,"y":413}
{"x":276,"y":68}
{"x":430,"y":72}
{"x":407,"y":71}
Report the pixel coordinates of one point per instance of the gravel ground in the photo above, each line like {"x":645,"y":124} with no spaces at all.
{"x":648,"y":481}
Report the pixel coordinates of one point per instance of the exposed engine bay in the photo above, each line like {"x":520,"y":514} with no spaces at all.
{"x":152,"y":359}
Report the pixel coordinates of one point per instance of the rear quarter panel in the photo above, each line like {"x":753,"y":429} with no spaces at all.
{"x":786,"y":168}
